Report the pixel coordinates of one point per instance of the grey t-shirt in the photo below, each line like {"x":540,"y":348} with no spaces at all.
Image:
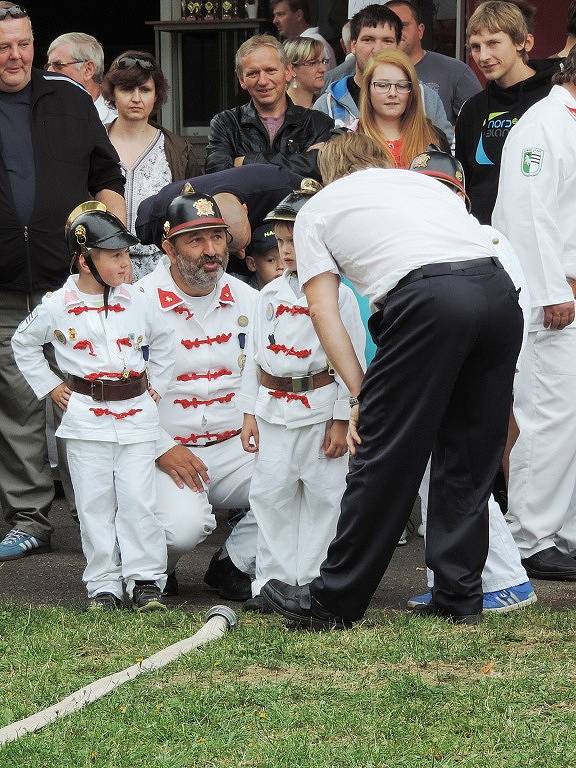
{"x":16,"y":148}
{"x":452,"y":79}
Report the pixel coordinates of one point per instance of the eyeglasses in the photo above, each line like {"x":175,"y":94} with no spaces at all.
{"x":313,"y":63}
{"x":16,"y":11}
{"x":59,"y":65}
{"x":127,"y":62}
{"x":385,"y":86}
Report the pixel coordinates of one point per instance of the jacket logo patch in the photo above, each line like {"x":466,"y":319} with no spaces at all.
{"x":532,"y":159}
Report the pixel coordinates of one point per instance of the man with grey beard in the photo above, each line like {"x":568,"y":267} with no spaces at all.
{"x":200,"y":460}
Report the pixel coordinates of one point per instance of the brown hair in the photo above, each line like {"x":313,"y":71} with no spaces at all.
{"x":498,"y":16}
{"x":350,"y":152}
{"x":568,"y":72}
{"x":131,"y":77}
{"x":417,"y":132}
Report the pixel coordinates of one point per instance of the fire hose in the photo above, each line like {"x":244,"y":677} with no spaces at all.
{"x":219,"y":620}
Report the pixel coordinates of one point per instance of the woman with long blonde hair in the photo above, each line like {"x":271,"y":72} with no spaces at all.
{"x":392,"y":109}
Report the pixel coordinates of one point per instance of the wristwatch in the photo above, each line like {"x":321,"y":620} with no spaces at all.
{"x":353,"y":401}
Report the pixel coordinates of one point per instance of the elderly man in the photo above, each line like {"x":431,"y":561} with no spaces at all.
{"x":80,"y":57}
{"x":448,"y":335}
{"x":270,"y":128}
{"x":55,"y":154}
{"x":535,"y":209}
{"x":373,"y":29}
{"x":201,"y":462}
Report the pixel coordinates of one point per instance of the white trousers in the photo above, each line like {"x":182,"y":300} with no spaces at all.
{"x":503,"y":568}
{"x":122,"y":538}
{"x":187,"y":515}
{"x":542,"y":509}
{"x":295,"y":497}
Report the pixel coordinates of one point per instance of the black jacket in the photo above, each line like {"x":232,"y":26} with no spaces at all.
{"x":239,"y":132}
{"x":74,"y":160}
{"x":483,"y":125}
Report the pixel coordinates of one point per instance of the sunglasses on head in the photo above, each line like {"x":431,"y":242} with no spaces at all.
{"x":16,"y":11}
{"x":127,"y":62}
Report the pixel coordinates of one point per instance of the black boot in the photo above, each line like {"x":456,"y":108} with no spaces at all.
{"x":230,"y":582}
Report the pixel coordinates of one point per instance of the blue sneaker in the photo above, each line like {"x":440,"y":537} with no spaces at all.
{"x":503,"y":601}
{"x":506,"y":600}
{"x":424,"y":599}
{"x":19,"y":544}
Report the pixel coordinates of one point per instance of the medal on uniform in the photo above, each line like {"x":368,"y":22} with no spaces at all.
{"x":125,"y":373}
{"x":72,"y":334}
{"x":269,"y":311}
{"x":271,"y":339}
{"x":59,"y":336}
{"x":241,"y":356}
{"x":242,"y":321}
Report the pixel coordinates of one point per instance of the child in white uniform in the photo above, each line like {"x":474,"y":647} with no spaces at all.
{"x":102,"y":329}
{"x":296,"y":416}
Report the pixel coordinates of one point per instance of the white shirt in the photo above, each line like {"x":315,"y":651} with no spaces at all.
{"x":284,"y":343}
{"x":536,"y":204}
{"x":106,"y":113}
{"x":376,"y":226}
{"x":90,"y":345}
{"x":314,"y":33}
{"x":210,"y":338}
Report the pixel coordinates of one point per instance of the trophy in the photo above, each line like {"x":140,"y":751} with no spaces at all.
{"x":210,"y":8}
{"x":193,"y":10}
{"x":229,"y":9}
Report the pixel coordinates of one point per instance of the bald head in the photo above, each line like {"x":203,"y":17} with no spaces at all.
{"x":235,"y":214}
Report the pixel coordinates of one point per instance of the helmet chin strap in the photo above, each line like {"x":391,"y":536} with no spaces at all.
{"x":96,"y":275}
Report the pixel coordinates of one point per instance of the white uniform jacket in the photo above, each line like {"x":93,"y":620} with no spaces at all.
{"x":535,"y":204}
{"x":199,"y":406}
{"x":90,"y":345}
{"x":284,"y":343}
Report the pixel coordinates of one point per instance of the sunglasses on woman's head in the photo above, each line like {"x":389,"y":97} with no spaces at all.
{"x":127,"y":62}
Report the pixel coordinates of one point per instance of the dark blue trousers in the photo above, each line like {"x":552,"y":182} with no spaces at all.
{"x":440,"y":383}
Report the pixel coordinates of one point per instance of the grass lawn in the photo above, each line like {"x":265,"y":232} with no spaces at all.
{"x":394,"y":691}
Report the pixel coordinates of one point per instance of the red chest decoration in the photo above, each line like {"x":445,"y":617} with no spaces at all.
{"x":109,"y":307}
{"x":124,"y":342}
{"x":282,"y":308}
{"x":168,"y":298}
{"x":182,"y":310}
{"x":221,"y":338}
{"x":290,"y":351}
{"x":85,"y":344}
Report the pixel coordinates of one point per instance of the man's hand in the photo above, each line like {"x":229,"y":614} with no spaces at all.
{"x":353,"y":438}
{"x":61,"y":395}
{"x":249,"y":435}
{"x":184,"y":468}
{"x":334,"y":445}
{"x":558,"y":316}
{"x":238,"y":161}
{"x":316,"y":146}
{"x":154,"y":395}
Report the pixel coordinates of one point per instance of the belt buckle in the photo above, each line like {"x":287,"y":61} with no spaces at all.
{"x":100,"y":397}
{"x":302,"y":383}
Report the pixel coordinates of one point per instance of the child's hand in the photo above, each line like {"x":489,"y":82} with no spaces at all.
{"x":334,"y":445}
{"x":249,"y":435}
{"x":154,"y":395}
{"x":61,"y":395}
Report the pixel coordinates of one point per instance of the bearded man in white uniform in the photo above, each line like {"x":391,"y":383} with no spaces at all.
{"x":200,"y":459}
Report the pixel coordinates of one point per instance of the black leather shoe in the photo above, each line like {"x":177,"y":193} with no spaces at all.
{"x":230,"y":582}
{"x":454,"y":618}
{"x":256,"y":605}
{"x":298,"y":605}
{"x":550,"y":564}
{"x":171,"y":588}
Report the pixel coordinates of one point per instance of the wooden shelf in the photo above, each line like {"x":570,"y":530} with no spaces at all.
{"x":220,"y":25}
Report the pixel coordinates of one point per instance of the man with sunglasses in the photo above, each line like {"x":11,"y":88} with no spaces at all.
{"x":54,"y":154}
{"x":80,"y":57}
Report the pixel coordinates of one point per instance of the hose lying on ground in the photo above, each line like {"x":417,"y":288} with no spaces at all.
{"x":219,"y":619}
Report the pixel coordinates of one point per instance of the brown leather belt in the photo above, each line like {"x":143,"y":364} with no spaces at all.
{"x":297,"y":384}
{"x":100,"y":390}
